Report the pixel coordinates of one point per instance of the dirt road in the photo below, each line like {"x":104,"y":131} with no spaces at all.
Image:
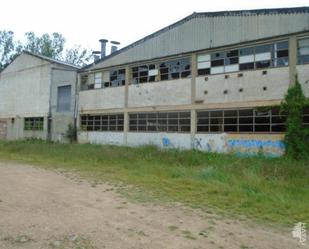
{"x":45,"y":209}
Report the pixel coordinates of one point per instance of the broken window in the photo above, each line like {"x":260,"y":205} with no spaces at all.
{"x":242,"y":120}
{"x":262,"y":56}
{"x":84,"y":82}
{"x":64,"y":99}
{"x":175,"y":69}
{"x":160,"y":122}
{"x":303,"y":51}
{"x":34,"y":124}
{"x":117,"y":78}
{"x":203,"y":64}
{"x":98,"y":80}
{"x":108,"y":122}
{"x":144,"y":73}
{"x":281,"y":54}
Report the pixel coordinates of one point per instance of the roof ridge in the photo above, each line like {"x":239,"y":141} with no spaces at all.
{"x":288,"y":10}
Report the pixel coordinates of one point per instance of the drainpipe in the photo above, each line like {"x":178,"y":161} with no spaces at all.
{"x":49,"y":115}
{"x":77,"y":85}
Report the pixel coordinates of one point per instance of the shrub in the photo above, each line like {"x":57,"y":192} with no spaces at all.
{"x":296,"y":137}
{"x":71,"y":133}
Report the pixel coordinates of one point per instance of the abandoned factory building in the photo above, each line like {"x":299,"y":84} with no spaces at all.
{"x":37,"y":98}
{"x":212,"y":81}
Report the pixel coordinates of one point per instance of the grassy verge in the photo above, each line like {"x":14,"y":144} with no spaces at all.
{"x":274,"y":190}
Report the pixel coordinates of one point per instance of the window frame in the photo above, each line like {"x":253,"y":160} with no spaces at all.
{"x":299,"y":56}
{"x":64,"y":110}
{"x":226,"y":56}
{"x":171,"y":122}
{"x":248,"y":120}
{"x":33,"y":123}
{"x":102,"y":122}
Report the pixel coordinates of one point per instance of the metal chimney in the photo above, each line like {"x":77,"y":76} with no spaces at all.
{"x":96,"y":55}
{"x":103,"y":47}
{"x":114,"y":46}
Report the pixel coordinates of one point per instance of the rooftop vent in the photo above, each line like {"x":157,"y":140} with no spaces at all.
{"x":114,"y":47}
{"x":96,"y":55}
{"x":103,"y":47}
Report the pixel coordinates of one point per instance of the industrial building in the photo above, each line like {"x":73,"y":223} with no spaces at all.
{"x":211,"y":81}
{"x":37,"y":98}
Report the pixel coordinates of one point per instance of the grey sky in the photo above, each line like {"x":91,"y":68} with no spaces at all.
{"x":85,"y":22}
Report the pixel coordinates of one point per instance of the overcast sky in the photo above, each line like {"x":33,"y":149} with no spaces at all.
{"x":85,"y":22}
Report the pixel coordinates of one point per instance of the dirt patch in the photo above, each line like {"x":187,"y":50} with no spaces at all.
{"x":45,"y":209}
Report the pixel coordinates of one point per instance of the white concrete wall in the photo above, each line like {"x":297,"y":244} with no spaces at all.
{"x":242,"y":144}
{"x":15,"y":130}
{"x":173,"y":92}
{"x":161,"y":140}
{"x":303,"y":77}
{"x":95,"y":137}
{"x":105,"y":98}
{"x":24,"y":87}
{"x":276,"y":80}
{"x":211,"y":142}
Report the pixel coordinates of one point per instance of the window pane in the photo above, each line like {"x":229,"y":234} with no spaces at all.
{"x":246,"y":51}
{"x":263,"y":48}
{"x":64,"y":99}
{"x":262,"y":64}
{"x":246,"y":66}
{"x":282,"y":45}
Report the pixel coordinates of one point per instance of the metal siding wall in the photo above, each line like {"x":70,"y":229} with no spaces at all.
{"x":205,"y":32}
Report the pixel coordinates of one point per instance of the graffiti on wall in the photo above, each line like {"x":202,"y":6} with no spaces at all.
{"x":268,"y":147}
{"x":197,"y":144}
{"x":210,"y":143}
{"x":242,"y":144}
{"x":166,"y":142}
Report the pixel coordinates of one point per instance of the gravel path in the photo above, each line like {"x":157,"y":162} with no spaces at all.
{"x":46,"y":209}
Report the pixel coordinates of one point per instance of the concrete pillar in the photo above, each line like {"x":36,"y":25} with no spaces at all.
{"x":193,"y":79}
{"x":193,"y":127}
{"x":292,"y":58}
{"x":126,"y":114}
{"x":125,"y":128}
{"x":126,"y":87}
{"x":193,"y":95}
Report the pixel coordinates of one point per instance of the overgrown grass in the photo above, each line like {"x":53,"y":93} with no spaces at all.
{"x":275,"y":190}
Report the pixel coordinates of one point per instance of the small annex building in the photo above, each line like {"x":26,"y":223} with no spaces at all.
{"x":37,"y":98}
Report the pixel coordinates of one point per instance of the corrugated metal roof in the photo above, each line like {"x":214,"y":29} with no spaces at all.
{"x":248,"y":25}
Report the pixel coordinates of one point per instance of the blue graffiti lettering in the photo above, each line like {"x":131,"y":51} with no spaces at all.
{"x":278,"y":144}
{"x":166,"y":142}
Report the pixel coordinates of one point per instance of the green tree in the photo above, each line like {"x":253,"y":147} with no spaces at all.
{"x":296,"y":137}
{"x":9,"y":48}
{"x":47,"y":45}
{"x":77,"y":56}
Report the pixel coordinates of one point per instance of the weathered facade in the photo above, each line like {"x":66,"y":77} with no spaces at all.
{"x":212,"y":81}
{"x":37,"y":98}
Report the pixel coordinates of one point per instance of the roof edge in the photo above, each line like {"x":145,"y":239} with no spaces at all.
{"x":50,"y":59}
{"x":271,"y":11}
